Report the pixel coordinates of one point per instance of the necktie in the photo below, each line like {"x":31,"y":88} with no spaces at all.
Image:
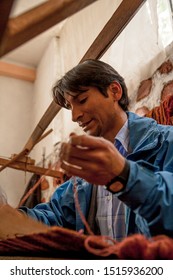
{"x":120,"y":147}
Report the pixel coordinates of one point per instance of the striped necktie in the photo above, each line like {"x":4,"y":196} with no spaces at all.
{"x":120,"y":148}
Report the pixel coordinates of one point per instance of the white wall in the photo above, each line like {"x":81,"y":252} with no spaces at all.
{"x":46,"y":72}
{"x":15,"y":120}
{"x":81,"y":29}
{"x":22,"y":105}
{"x":138,"y":51}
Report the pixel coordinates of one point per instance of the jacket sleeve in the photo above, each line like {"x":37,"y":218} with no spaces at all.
{"x":59,"y":211}
{"x":149,"y":193}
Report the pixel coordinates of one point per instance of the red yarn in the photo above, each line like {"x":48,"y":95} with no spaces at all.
{"x":163,"y":114}
{"x":135,"y":246}
{"x":169,"y":109}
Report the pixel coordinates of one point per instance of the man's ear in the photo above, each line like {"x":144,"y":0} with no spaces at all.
{"x":116,"y":90}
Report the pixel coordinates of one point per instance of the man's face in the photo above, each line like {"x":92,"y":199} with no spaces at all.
{"x":94,"y":112}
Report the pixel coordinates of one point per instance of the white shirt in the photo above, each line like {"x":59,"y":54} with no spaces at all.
{"x":109,"y":207}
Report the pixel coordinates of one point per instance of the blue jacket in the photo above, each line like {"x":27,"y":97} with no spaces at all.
{"x":148,"y":194}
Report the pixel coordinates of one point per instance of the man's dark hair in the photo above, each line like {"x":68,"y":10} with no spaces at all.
{"x":93,"y":73}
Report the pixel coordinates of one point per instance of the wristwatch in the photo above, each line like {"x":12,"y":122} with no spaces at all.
{"x":119,"y":182}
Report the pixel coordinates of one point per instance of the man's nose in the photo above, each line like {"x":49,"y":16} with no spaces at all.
{"x":76,"y":114}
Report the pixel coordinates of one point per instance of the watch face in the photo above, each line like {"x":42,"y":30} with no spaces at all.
{"x":116,"y":187}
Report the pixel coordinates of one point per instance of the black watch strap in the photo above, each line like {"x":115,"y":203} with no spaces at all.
{"x":122,"y":177}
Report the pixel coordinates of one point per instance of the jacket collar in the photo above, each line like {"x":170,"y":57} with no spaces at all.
{"x":144,"y":133}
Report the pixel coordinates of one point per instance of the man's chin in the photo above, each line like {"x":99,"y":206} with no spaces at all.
{"x":92,"y":132}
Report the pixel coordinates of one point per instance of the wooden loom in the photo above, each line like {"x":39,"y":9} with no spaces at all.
{"x":14,"y":33}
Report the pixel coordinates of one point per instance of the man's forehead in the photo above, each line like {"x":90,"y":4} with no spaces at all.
{"x":71,"y":95}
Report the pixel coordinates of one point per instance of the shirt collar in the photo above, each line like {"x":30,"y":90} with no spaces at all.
{"x":123,"y":136}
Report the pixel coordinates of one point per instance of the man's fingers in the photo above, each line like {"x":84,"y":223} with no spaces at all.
{"x":72,"y":169}
{"x":87,"y":141}
{"x":80,"y":164}
{"x":71,"y":153}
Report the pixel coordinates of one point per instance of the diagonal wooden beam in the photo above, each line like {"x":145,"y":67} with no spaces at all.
{"x":5,"y":9}
{"x":31,"y":23}
{"x":122,"y":16}
{"x":46,"y":119}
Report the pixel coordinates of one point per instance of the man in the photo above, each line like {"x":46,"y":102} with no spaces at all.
{"x":123,"y":163}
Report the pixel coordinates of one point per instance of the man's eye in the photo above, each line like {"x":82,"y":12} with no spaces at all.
{"x":82,"y":101}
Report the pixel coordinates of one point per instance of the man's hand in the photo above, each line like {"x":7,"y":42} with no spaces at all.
{"x":94,"y":159}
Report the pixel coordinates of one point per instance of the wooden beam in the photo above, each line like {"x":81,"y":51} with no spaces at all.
{"x":31,"y":168}
{"x":122,"y":16}
{"x":17,"y":72}
{"x":46,"y":119}
{"x":31,"y":23}
{"x":5,"y":8}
